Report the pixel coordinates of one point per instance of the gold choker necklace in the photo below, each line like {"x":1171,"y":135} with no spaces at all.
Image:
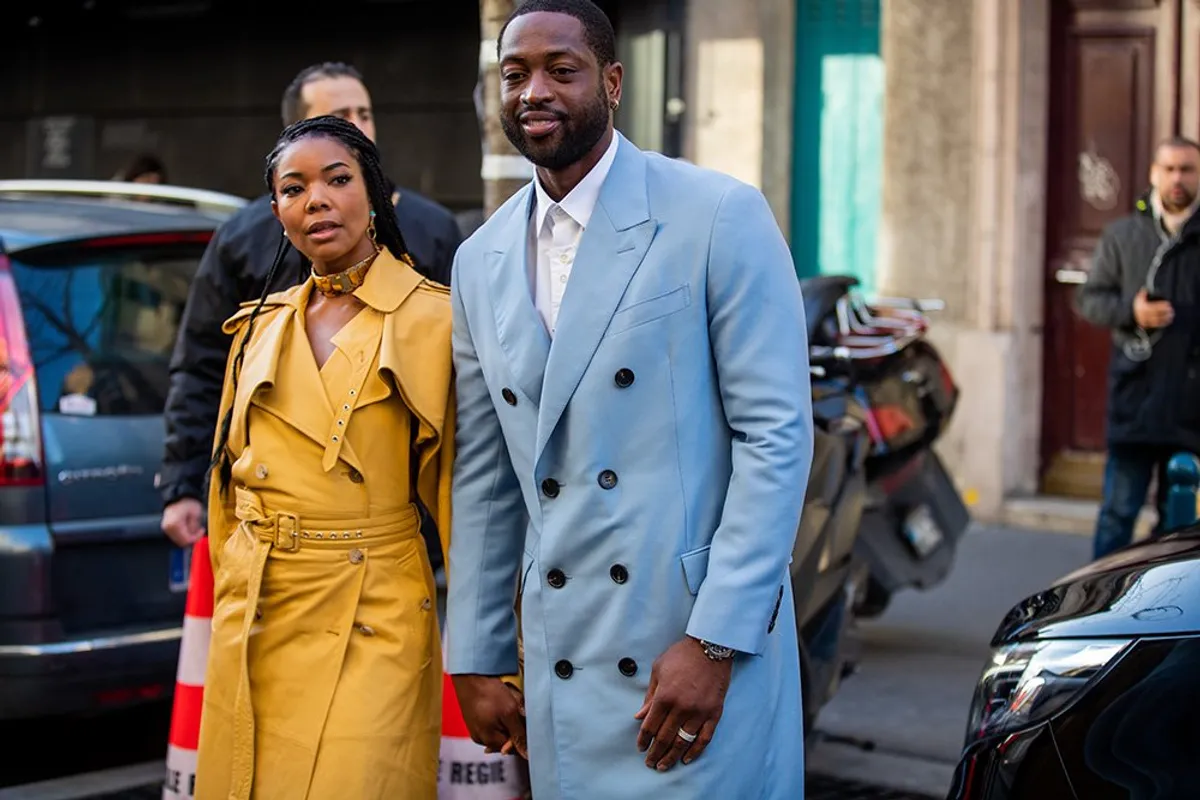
{"x":346,"y":281}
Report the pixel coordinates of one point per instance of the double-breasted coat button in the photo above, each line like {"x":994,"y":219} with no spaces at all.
{"x":624,"y":378}
{"x":550,"y":487}
{"x":607,"y":479}
{"x":355,"y":476}
{"x":509,"y":396}
{"x":564,"y":669}
{"x":356,"y":556}
{"x":628,"y":667}
{"x":618,"y":573}
{"x":556,"y":578}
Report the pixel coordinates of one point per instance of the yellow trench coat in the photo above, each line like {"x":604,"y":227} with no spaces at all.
{"x":324,"y":676}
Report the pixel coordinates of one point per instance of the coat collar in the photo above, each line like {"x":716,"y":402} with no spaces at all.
{"x":414,"y":352}
{"x":523,"y":337}
{"x":616,"y":239}
{"x":609,"y":254}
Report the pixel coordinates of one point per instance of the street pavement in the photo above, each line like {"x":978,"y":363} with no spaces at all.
{"x":900,"y":719}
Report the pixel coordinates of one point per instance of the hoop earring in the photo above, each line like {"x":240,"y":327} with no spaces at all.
{"x":371,"y":231}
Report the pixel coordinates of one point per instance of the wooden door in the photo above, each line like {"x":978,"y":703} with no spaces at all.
{"x":1115,"y":92}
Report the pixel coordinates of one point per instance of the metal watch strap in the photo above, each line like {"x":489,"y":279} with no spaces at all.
{"x":716,"y":652}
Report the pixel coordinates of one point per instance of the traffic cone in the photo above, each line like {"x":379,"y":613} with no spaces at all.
{"x":184,"y":740}
{"x":466,"y":772}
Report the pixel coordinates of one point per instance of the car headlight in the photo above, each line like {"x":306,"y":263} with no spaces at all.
{"x":1026,"y":683}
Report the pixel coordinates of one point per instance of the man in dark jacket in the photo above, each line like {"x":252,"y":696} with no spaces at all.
{"x":233,"y":270}
{"x":1144,"y":285}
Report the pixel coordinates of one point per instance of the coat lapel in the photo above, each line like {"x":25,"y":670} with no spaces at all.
{"x":610,"y":252}
{"x":522,"y":335}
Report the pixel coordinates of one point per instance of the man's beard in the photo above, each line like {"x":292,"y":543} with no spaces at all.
{"x":579,"y":134}
{"x":1178,"y":207}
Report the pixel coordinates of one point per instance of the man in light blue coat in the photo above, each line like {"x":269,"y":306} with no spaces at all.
{"x":634,"y":440}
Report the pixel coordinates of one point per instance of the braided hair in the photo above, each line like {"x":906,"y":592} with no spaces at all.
{"x":387,"y":234}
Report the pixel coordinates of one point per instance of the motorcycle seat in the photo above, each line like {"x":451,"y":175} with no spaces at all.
{"x":821,"y":294}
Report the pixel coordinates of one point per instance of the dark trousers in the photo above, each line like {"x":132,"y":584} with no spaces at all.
{"x":1127,"y":476}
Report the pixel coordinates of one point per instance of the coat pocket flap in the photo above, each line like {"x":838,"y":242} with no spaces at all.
{"x":650,"y":309}
{"x":695,"y":567}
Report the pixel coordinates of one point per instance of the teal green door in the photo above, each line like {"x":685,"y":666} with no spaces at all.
{"x":837,"y":160}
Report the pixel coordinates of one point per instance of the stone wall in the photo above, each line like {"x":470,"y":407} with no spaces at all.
{"x":963,"y":217}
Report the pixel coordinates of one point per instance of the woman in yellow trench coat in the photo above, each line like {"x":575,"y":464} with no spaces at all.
{"x":324,"y":676}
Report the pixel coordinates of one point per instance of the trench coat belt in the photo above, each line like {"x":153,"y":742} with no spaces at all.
{"x":286,"y":531}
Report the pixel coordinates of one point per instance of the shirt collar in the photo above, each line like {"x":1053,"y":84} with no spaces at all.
{"x":580,"y":202}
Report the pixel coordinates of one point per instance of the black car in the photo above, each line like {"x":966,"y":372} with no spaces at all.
{"x":93,"y":281}
{"x":1093,"y":689}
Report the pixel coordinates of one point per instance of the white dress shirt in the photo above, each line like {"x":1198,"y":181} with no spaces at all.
{"x":554,"y":235}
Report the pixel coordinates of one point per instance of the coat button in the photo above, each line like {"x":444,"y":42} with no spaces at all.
{"x":356,"y":556}
{"x":628,"y":667}
{"x":355,"y":476}
{"x":366,"y":630}
{"x":618,"y":573}
{"x":564,"y":669}
{"x":607,"y":479}
{"x":261,"y":471}
{"x":550,"y":487}
{"x":556,"y":578}
{"x":624,"y":378}
{"x":509,"y":396}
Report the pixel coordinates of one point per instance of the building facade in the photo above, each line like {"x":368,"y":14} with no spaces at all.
{"x":1011,"y":132}
{"x":999,"y":176}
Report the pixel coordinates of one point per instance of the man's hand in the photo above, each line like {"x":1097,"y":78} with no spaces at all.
{"x":1150,"y":314}
{"x":182,"y":521}
{"x":494,"y":712}
{"x":687,"y":691}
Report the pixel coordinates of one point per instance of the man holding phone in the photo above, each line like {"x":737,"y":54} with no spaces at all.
{"x":1144,"y":285}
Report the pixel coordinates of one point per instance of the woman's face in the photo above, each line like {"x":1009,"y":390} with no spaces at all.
{"x":321,"y":199}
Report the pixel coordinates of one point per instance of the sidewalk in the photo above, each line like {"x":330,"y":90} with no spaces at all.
{"x":1063,"y":515}
{"x":921,"y":659}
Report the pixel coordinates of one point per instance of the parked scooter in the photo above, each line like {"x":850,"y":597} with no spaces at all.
{"x":913,"y":515}
{"x":825,"y":579}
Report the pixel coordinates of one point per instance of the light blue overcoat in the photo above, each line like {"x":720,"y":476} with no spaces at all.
{"x":642,"y":476}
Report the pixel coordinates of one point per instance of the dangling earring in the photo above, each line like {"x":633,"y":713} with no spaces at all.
{"x":371,"y":231}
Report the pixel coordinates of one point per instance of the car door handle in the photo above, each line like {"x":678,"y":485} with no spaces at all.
{"x":1074,"y":276}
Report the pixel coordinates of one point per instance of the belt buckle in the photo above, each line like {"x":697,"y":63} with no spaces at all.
{"x":287,"y":532}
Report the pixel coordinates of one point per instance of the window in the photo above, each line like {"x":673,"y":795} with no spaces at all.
{"x":101,"y":328}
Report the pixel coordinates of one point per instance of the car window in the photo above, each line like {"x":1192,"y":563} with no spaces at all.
{"x":101,"y":328}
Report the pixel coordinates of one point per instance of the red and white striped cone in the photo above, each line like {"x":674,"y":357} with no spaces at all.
{"x":180,"y":782}
{"x":468,"y":773}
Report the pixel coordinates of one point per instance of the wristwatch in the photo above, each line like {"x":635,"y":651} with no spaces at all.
{"x":716,"y":652}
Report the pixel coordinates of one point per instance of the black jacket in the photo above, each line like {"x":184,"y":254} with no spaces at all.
{"x":1155,"y":401}
{"x":232,"y":271}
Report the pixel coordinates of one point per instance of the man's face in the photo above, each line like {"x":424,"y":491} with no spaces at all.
{"x":554,"y":97}
{"x":340,"y":97}
{"x":1176,"y":176}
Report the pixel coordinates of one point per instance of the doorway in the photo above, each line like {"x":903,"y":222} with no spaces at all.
{"x":1124,"y":75}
